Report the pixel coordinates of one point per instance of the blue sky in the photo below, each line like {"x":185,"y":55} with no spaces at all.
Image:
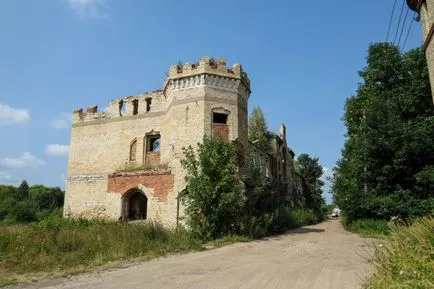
{"x":58,"y":55}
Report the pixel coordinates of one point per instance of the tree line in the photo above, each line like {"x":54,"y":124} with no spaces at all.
{"x":387,"y":163}
{"x":25,"y":204}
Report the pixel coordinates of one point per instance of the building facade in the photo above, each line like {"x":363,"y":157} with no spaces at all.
{"x":425,"y":8}
{"x":125,"y":162}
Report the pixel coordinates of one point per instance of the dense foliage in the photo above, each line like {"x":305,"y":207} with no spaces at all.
{"x":311,"y":171}
{"x":212,"y":197}
{"x":223,"y":197}
{"x":26,"y":204}
{"x":387,"y":164}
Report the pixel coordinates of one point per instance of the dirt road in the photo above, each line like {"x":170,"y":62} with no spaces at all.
{"x":315,"y":257}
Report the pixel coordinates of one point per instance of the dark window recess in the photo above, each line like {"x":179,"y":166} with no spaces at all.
{"x":221,"y":118}
{"x":148,"y":104}
{"x":135,"y":106}
{"x":154,"y":144}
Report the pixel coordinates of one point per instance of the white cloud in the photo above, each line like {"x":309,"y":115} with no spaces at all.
{"x":57,"y":150}
{"x":93,"y":9}
{"x":6,"y":178}
{"x":326,"y":173}
{"x":9,"y":115}
{"x":64,"y":121}
{"x":26,"y":160}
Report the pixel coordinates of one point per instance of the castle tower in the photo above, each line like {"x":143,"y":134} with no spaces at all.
{"x":208,"y":98}
{"x":125,"y":162}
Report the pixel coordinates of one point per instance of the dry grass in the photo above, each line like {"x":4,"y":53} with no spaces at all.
{"x":406,"y":259}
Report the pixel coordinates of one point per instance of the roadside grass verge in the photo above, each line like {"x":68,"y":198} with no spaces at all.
{"x":68,"y":246}
{"x":368,"y":228}
{"x":59,"y":247}
{"x":406,"y":260}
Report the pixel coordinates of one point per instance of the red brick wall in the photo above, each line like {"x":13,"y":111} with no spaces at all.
{"x":153,"y":158}
{"x":161,"y":182}
{"x":220,"y":130}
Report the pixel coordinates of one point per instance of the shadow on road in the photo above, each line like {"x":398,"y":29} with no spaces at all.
{"x":304,"y":231}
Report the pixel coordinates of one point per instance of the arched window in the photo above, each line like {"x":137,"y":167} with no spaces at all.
{"x":133,"y":150}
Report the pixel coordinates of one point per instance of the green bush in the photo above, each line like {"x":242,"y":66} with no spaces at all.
{"x":212,"y":197}
{"x":304,"y":217}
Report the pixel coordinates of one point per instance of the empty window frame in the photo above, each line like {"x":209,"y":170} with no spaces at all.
{"x":148,"y":104}
{"x":135,"y":106}
{"x":154,"y":143}
{"x":122,"y":109}
{"x":221,"y":118}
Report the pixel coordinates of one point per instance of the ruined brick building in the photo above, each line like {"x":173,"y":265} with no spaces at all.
{"x":124,"y":163}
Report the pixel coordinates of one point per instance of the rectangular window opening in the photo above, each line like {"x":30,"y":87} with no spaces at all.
{"x":148,"y":104}
{"x":154,"y":144}
{"x":221,"y":118}
{"x":135,"y":106}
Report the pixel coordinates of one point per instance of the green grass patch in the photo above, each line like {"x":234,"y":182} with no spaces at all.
{"x":69,"y":245}
{"x":367,"y":227}
{"x":406,"y":258}
{"x":229,"y":239}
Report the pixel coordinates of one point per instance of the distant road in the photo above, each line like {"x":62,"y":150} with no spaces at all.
{"x":323,"y":256}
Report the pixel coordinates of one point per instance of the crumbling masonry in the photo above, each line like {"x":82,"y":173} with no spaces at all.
{"x":124,"y":163}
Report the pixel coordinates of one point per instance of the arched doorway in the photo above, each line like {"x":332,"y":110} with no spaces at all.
{"x":135,"y":205}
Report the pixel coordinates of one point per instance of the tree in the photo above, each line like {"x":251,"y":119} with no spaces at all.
{"x":258,"y":129}
{"x":212,"y":197}
{"x":23,"y":191}
{"x":44,"y":198}
{"x":388,"y":157}
{"x":311,"y":171}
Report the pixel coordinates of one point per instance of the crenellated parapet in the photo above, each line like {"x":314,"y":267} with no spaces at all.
{"x":146,"y":104}
{"x":208,"y":72}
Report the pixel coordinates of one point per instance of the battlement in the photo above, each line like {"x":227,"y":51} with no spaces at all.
{"x":209,"y":72}
{"x":208,"y":65}
{"x":142,"y":104}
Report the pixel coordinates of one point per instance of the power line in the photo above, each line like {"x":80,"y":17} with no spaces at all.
{"x":403,"y":25}
{"x":408,"y":31}
{"x":399,"y":21}
{"x":390,"y":21}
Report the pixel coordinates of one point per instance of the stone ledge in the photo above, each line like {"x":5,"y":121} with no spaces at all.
{"x":140,"y":173}
{"x":86,"y":178}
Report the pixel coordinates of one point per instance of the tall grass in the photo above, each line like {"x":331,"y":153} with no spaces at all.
{"x":406,"y":260}
{"x":68,"y":244}
{"x":367,"y":227}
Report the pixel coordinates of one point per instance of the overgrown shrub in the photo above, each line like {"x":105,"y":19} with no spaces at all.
{"x":213,"y":198}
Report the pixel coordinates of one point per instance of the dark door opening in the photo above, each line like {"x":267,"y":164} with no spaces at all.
{"x":136,"y":206}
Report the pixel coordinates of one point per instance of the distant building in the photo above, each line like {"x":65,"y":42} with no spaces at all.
{"x":425,"y":8}
{"x":124,"y":163}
